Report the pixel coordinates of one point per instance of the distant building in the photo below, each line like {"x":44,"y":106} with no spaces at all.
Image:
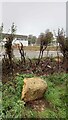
{"x":4,"y":35}
{"x":18,"y":39}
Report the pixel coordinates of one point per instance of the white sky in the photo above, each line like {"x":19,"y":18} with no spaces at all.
{"x":34,"y":17}
{"x":33,"y":0}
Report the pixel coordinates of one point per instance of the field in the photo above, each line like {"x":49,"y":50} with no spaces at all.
{"x":53,"y":105}
{"x":36,"y":48}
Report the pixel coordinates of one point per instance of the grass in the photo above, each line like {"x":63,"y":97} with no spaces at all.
{"x":37,"y":48}
{"x":56,"y":95}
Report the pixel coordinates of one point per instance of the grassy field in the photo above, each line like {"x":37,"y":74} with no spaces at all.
{"x":36,"y":48}
{"x":56,"y":96}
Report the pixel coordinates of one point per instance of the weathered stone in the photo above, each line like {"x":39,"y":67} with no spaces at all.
{"x":33,"y":88}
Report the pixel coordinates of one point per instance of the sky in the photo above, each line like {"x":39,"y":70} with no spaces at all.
{"x":33,"y":17}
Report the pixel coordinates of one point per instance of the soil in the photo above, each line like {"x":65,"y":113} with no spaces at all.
{"x":38,"y":105}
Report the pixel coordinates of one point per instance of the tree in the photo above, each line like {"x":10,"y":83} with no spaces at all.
{"x":31,"y":39}
{"x":13,"y":28}
{"x":1,"y":30}
{"x":45,"y":39}
{"x":8,"y":45}
{"x":63,"y":43}
{"x":21,"y":50}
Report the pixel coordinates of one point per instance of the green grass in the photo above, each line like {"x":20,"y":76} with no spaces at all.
{"x":56,"y":95}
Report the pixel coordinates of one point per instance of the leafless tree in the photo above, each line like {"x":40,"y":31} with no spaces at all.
{"x":21,"y":50}
{"x":63,"y":43}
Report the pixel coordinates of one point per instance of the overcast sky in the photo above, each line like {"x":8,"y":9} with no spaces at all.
{"x":34,"y":18}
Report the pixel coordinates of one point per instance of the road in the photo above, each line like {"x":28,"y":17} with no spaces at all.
{"x":31,"y":54}
{"x":35,"y":54}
